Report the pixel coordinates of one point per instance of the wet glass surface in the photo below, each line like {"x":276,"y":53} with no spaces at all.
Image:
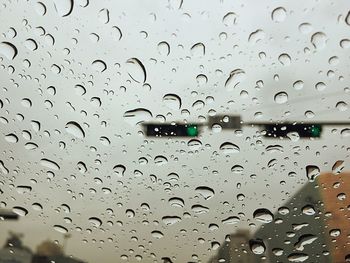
{"x":174,"y":131}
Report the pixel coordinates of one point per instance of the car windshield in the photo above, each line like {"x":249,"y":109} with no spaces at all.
{"x":174,"y":131}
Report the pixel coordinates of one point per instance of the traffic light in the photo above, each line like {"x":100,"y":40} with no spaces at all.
{"x":172,"y":130}
{"x":304,"y":130}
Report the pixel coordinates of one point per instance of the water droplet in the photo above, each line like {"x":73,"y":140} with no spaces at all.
{"x":119,"y":169}
{"x":345,"y":132}
{"x":130,"y":213}
{"x":40,"y":8}
{"x":304,"y":240}
{"x":345,"y":43}
{"x":37,"y":207}
{"x":172,"y":101}
{"x":341,"y":106}
{"x":320,"y":86}
{"x":75,"y":129}
{"x":8,"y":50}
{"x":228,"y":148}
{"x":308,"y":210}
{"x":136,"y":70}
{"x":157,"y":234}
{"x":257,"y":36}
{"x":170,"y":220}
{"x":199,"y":209}
{"x":163,"y":48}
{"x":99,"y":65}
{"x":335,"y":232}
{"x":205,"y":191}
{"x":284,"y":59}
{"x":281,"y":97}
{"x":82,"y":167}
{"x":103,"y":16}
{"x":63,"y":7}
{"x":176,"y":202}
{"x":96,"y":222}
{"x":263,"y":215}
{"x":105,"y":141}
{"x":21,"y":211}
{"x":198,"y":50}
{"x":279,"y":14}
{"x":215,"y":245}
{"x":160,"y":160}
{"x":12,"y":138}
{"x":79,"y":90}
{"x":298,"y":85}
{"x":229,"y":19}
{"x":338,"y":167}
{"x":312,"y":171}
{"x":257,"y":246}
{"x":231,"y":220}
{"x":49,"y":164}
{"x":117,"y":33}
{"x":137,"y":116}
{"x":297,"y":257}
{"x":237,"y":169}
{"x":235,"y":78}
{"x":23,"y":189}
{"x":194,"y":144}
{"x":60,"y":229}
{"x":31,"y":44}
{"x":319,"y":40}
{"x":305,"y":28}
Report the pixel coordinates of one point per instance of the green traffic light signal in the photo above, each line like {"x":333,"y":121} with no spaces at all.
{"x":316,"y":130}
{"x":192,"y":130}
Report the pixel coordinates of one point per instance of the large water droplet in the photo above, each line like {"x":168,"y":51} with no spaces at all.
{"x":136,"y":70}
{"x":263,"y":215}
{"x":312,"y":171}
{"x":64,"y":7}
{"x":284,"y":59}
{"x":31,"y":44}
{"x":60,"y":229}
{"x":256,"y":36}
{"x":172,"y":101}
{"x":157,"y":234}
{"x":96,"y":222}
{"x":75,"y":129}
{"x":205,"y":191}
{"x":228,"y":148}
{"x":281,"y":97}
{"x":163,"y":48}
{"x":99,"y":65}
{"x":235,"y":78}
{"x":198,"y":50}
{"x":257,"y":246}
{"x":231,"y":220}
{"x":49,"y":164}
{"x":304,"y":240}
{"x":319,"y":40}
{"x":8,"y":50}
{"x":338,"y":167}
{"x":103,"y":16}
{"x":170,"y":220}
{"x":297,"y":257}
{"x":279,"y":14}
{"x":12,"y":138}
{"x":229,"y":19}
{"x":21,"y":211}
{"x":136,"y":116}
{"x":176,"y":202}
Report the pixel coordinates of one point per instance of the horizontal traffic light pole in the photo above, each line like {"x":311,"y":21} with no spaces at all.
{"x":7,"y":215}
{"x":233,"y":122}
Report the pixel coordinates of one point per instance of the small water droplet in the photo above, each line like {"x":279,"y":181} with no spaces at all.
{"x":136,"y":70}
{"x":60,"y":229}
{"x":99,"y":65}
{"x":281,"y":97}
{"x":319,"y":40}
{"x":75,"y":129}
{"x":8,"y":50}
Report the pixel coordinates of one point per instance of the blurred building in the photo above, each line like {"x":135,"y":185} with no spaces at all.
{"x":313,"y":226}
{"x":14,"y":251}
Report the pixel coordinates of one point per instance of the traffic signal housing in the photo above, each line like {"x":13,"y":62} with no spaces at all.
{"x":305,"y":130}
{"x":171,"y":130}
